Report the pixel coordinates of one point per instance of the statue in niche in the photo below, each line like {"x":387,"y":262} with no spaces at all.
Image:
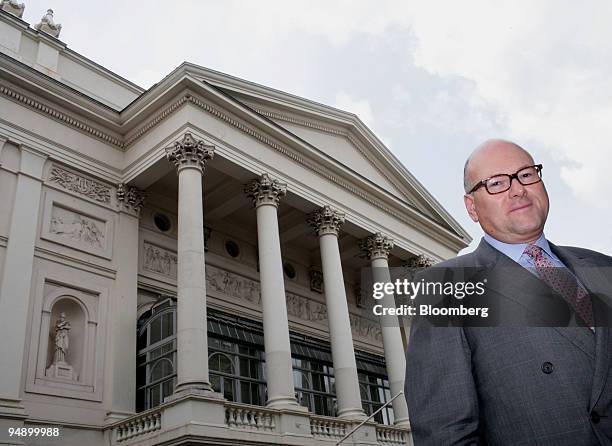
{"x":60,"y":367}
{"x":62,"y":327}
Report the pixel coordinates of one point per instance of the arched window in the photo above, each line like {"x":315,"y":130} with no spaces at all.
{"x":156,"y":357}
{"x":222,"y":377}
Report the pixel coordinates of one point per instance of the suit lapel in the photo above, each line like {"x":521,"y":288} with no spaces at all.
{"x":599,"y":286}
{"x":527,"y":291}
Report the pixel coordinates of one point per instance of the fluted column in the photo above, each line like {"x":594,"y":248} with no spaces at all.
{"x":377,"y":247}
{"x":326,"y":223}
{"x":266,"y":194}
{"x":190,"y":157}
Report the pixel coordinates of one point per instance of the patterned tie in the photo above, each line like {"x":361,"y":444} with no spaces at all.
{"x":561,"y":280}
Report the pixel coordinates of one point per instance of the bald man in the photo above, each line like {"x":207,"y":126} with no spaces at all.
{"x":544,"y":379}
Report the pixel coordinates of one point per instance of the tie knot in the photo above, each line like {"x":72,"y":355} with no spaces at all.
{"x":533,"y":251}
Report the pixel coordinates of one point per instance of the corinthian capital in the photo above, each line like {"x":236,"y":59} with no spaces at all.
{"x":264,"y":190}
{"x":376,"y":246}
{"x":326,"y":221}
{"x":190,"y":153}
{"x":130,"y":199}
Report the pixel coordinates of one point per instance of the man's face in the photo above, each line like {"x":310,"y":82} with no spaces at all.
{"x":516,"y":215}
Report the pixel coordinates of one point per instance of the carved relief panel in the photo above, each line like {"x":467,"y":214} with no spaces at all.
{"x":77,"y":224}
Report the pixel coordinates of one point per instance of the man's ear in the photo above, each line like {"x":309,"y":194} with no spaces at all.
{"x":468,"y":199}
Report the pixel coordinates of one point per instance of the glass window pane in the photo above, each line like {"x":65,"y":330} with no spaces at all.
{"x":155,"y":329}
{"x":215,"y":382}
{"x":167,"y":325}
{"x":228,"y":389}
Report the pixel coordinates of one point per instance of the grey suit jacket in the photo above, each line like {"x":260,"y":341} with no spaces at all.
{"x":537,"y":385}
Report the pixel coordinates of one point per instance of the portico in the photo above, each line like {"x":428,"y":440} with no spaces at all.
{"x":203,"y":240}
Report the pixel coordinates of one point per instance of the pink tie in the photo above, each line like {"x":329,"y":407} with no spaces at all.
{"x":563,"y":282}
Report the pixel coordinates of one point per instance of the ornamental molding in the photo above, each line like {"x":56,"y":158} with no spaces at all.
{"x":15,"y":95}
{"x":329,"y":130}
{"x":59,"y":115}
{"x":190,"y":153}
{"x":420,"y":261}
{"x":376,"y":246}
{"x":130,"y":199}
{"x":326,"y":221}
{"x":265,"y":190}
{"x":79,"y":184}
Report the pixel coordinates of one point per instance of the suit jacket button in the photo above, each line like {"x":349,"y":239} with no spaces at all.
{"x":595,"y":417}
{"x":547,"y":367}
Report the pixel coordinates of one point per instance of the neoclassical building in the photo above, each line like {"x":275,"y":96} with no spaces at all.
{"x":183,"y":264}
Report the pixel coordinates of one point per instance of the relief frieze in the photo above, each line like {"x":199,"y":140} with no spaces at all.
{"x":159,"y":260}
{"x":77,"y":228}
{"x":79,"y":184}
{"x":298,"y":306}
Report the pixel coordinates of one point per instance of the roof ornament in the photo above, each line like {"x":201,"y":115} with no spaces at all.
{"x":12,"y":7}
{"x":48,"y":25}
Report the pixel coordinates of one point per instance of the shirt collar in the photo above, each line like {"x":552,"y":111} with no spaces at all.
{"x":515,"y":250}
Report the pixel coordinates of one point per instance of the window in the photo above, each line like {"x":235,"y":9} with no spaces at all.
{"x":156,"y":356}
{"x":237,"y":365}
{"x":374,"y":393}
{"x":232,"y":248}
{"x":162,"y":222}
{"x":315,"y":386}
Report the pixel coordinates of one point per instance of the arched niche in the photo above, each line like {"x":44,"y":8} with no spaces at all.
{"x":75,"y":314}
{"x":80,"y":309}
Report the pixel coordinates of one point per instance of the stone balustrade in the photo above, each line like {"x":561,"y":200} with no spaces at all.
{"x":256,"y":418}
{"x":145,"y":423}
{"x":258,"y":421}
{"x":327,"y":427}
{"x":391,"y":436}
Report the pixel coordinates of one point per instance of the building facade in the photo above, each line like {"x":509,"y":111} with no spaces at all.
{"x":182,"y":265}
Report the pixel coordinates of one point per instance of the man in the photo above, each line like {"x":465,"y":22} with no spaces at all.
{"x":535,"y":383}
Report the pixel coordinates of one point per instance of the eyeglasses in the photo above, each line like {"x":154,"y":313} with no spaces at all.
{"x":502,"y":182}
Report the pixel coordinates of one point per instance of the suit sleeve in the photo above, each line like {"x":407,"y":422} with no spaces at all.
{"x":439,"y":386}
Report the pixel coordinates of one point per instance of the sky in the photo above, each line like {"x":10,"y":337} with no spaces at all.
{"x":432,"y":79}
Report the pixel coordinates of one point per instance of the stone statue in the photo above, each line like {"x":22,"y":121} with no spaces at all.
{"x":62,"y":327}
{"x":13,"y":7}
{"x":48,"y":25}
{"x":60,"y":368}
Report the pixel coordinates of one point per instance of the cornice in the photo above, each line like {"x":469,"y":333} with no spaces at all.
{"x":424,"y":222}
{"x":346,"y":133}
{"x":56,"y":114}
{"x":240,"y":125}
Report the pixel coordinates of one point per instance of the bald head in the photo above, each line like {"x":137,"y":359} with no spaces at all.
{"x":514,"y":215}
{"x":480,"y":155}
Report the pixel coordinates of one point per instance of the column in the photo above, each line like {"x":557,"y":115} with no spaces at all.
{"x":326,"y":223}
{"x":266,"y":194}
{"x":121,"y":387}
{"x":190,"y":157}
{"x":15,"y":288}
{"x":377,"y":248}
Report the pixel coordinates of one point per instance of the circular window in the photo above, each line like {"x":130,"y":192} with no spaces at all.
{"x":162,"y":222}
{"x":232,"y":248}
{"x":289,"y":270}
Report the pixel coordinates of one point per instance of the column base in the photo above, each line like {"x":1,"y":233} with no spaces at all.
{"x":193,"y":388}
{"x":356,"y":414}
{"x":402,"y":422}
{"x":285,"y":403}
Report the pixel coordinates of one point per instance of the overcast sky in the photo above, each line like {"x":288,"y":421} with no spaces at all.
{"x":431,"y":79}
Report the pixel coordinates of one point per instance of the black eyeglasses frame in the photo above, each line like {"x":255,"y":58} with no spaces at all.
{"x":481,"y":183}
